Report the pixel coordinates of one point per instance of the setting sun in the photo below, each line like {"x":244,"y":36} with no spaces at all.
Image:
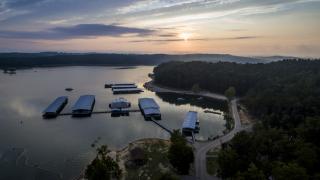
{"x":185,"y":36}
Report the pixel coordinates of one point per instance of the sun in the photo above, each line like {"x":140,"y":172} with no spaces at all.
{"x":185,"y":36}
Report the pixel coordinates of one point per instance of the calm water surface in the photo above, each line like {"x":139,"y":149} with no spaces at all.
{"x":63,"y":145}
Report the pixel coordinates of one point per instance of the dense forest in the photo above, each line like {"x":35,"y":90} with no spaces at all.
{"x":285,"y":98}
{"x":47,"y":59}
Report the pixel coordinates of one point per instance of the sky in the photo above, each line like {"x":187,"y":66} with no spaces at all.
{"x":240,"y":27}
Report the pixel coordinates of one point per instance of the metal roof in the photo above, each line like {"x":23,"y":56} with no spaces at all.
{"x":56,"y":104}
{"x":84,"y":103}
{"x":120,"y":103}
{"x":123,"y":86}
{"x":190,"y":120}
{"x":146,"y":103}
{"x":151,"y":111}
{"x":127,"y":90}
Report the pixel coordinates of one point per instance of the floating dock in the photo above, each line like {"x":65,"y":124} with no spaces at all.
{"x":190,"y":124}
{"x":123,"y":86}
{"x":55,"y":107}
{"x":84,"y":106}
{"x":149,"y":108}
{"x":127,"y":91}
{"x":118,"y":84}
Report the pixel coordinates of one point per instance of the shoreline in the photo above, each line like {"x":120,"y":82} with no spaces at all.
{"x":121,"y":155}
{"x":151,"y":86}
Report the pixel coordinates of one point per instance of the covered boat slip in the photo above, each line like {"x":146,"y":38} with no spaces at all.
{"x":55,"y":107}
{"x":84,"y":106}
{"x":190,"y":124}
{"x":149,"y":108}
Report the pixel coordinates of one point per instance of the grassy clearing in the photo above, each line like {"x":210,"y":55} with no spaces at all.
{"x":212,"y":164}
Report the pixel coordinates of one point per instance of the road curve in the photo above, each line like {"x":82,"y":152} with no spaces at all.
{"x":203,"y":147}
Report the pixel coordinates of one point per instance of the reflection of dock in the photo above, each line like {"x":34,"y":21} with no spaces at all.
{"x":98,"y":112}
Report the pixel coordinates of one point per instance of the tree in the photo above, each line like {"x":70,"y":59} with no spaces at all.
{"x":230,"y":92}
{"x":196,"y":88}
{"x":180,"y":154}
{"x":103,"y":166}
{"x":290,"y":171}
{"x":253,"y":173}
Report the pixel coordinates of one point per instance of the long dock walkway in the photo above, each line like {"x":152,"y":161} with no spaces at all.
{"x":160,"y":125}
{"x":98,"y":112}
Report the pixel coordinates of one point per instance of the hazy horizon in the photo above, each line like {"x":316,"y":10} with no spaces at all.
{"x":237,"y":27}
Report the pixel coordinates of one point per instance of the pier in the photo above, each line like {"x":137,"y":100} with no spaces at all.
{"x":160,"y":125}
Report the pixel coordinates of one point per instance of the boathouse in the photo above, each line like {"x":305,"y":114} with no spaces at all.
{"x":149,"y":108}
{"x":190,"y":124}
{"x":84,"y":106}
{"x":55,"y":107}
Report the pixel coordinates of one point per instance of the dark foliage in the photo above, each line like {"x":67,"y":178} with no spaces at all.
{"x":285,"y":98}
{"x":103,"y":167}
{"x":47,"y":59}
{"x":180,"y":154}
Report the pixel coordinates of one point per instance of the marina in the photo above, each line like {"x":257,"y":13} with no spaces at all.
{"x":84,"y":106}
{"x":50,"y":138}
{"x":55,"y":107}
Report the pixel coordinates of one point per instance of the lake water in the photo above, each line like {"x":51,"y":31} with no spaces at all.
{"x":63,"y":145}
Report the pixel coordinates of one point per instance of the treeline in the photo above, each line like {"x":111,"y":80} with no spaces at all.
{"x":284,"y":96}
{"x":47,"y":59}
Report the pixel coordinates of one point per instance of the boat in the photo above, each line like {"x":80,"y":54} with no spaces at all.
{"x":55,"y":107}
{"x":120,"y":106}
{"x":83,"y":106}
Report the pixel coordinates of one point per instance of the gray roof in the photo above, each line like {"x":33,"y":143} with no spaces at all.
{"x":190,"y":120}
{"x":56,"y":104}
{"x":146,"y":103}
{"x":127,"y":90}
{"x":120,"y":103}
{"x":84,"y":103}
{"x":151,"y":111}
{"x":123,"y":86}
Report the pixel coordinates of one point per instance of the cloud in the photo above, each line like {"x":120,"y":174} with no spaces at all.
{"x":195,"y":39}
{"x":77,"y":32}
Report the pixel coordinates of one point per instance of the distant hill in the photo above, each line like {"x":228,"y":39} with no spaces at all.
{"x":47,"y":59}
